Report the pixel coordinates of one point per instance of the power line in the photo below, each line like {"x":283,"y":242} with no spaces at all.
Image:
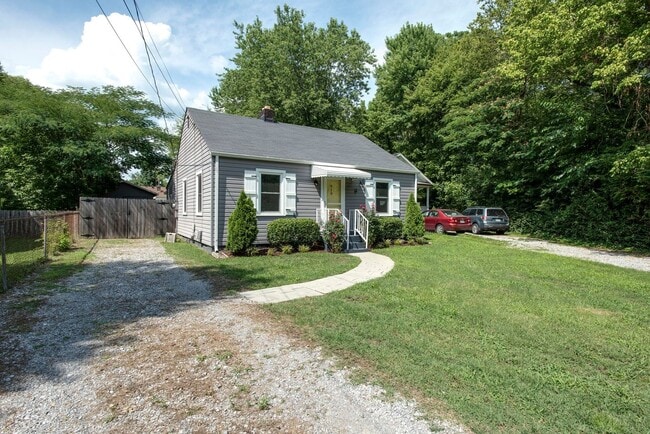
{"x":140,"y":22}
{"x":174,"y":89}
{"x":154,"y":88}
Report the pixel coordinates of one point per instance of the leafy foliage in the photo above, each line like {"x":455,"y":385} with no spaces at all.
{"x":541,"y":107}
{"x":242,"y":226}
{"x":294,"y":232}
{"x":333,"y":234}
{"x":309,"y":75}
{"x":391,"y":228}
{"x":57,"y":146}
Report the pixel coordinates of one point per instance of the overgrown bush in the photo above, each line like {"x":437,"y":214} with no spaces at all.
{"x":587,"y":219}
{"x":375,"y":234}
{"x":334,"y":235}
{"x":414,"y":224}
{"x":58,"y":236}
{"x":293,"y":231}
{"x":391,"y":228}
{"x":242,"y":226}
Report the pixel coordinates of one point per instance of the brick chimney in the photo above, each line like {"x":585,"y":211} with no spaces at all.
{"x":267,"y":114}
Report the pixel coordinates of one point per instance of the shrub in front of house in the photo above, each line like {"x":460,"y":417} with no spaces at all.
{"x":293,"y":232}
{"x":414,"y":222}
{"x":242,"y":226}
{"x":391,"y":228}
{"x":375,"y":234}
{"x":334,"y":235}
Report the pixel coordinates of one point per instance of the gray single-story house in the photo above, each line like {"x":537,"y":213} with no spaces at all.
{"x":287,"y":170}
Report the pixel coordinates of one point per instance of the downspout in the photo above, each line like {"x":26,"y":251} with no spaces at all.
{"x":215,"y":202}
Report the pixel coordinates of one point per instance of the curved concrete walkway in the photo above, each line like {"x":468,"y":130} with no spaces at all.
{"x":371,"y":267}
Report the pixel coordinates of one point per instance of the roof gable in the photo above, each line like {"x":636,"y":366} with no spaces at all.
{"x":244,"y":137}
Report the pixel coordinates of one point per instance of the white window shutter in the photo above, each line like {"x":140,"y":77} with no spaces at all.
{"x":290,"y":193}
{"x":395,"y":200}
{"x":369,"y":187}
{"x":250,"y":185}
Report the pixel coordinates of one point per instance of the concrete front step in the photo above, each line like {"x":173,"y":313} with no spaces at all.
{"x":357,"y":244}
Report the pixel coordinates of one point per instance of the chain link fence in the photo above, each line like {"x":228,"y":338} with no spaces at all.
{"x":28,"y":238}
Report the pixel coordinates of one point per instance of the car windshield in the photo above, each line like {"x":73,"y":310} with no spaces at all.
{"x":451,"y":212}
{"x":496,"y":212}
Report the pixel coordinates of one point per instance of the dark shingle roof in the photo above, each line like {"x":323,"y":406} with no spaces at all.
{"x":253,"y":138}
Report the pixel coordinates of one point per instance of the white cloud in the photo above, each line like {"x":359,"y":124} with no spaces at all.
{"x":100,"y":58}
{"x":218,"y":64}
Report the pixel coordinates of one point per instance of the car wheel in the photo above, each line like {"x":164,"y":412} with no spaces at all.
{"x":476,"y":229}
{"x":440,"y":229}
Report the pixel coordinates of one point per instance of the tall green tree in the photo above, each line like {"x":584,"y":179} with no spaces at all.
{"x":391,"y":120}
{"x":309,"y":75}
{"x":58,"y":145}
{"x":555,"y":124}
{"x":542,"y":107}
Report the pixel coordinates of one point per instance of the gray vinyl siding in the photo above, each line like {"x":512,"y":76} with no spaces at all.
{"x":231,"y":184}
{"x":193,"y":155}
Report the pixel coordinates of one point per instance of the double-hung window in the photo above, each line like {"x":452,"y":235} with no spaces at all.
{"x":270,"y":192}
{"x":382,"y":197}
{"x":184,"y":198}
{"x":273,"y":192}
{"x":199,"y":193}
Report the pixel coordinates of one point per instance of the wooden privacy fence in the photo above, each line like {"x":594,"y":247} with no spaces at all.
{"x":30,"y":224}
{"x":103,"y":217}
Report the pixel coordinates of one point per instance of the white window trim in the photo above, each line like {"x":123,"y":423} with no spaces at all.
{"x":258,"y":205}
{"x":199,"y":173}
{"x":184,"y":197}
{"x":389,"y":211}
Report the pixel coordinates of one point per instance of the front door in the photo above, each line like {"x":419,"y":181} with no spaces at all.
{"x":333,"y":194}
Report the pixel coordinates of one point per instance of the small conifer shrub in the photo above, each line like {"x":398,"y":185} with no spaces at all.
{"x":242,"y":226}
{"x":414,"y":222}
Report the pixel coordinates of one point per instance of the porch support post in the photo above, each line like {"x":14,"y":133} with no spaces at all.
{"x":428,"y":207}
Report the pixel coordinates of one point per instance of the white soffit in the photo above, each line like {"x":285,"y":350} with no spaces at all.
{"x":338,"y":172}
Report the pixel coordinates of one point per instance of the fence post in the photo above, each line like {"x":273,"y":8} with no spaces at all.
{"x":45,"y":237}
{"x":4,"y":258}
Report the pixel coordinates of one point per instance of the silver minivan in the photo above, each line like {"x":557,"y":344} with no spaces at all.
{"x":486,"y":218}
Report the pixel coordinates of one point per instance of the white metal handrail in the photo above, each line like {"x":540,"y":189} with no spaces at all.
{"x":346,"y":223}
{"x":323,"y":215}
{"x":361,"y":225}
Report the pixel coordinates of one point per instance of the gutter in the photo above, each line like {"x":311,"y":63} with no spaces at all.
{"x":318,"y":163}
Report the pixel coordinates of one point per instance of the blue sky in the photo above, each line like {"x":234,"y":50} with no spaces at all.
{"x":59,"y":43}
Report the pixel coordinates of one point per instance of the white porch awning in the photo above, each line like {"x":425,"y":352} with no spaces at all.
{"x":338,"y":172}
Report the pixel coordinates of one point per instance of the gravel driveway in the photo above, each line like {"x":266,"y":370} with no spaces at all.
{"x":135,"y":343}
{"x":603,"y":256}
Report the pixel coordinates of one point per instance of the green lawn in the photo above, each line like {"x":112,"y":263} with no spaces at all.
{"x":23,"y":257}
{"x":507,"y":340}
{"x":256,"y":272}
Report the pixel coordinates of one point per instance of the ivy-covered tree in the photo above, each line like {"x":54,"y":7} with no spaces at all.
{"x":311,"y":76}
{"x":242,"y":226}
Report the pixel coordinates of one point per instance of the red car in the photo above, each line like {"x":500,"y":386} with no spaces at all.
{"x":446,"y":220}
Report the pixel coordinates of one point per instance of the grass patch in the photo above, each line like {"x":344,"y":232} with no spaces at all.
{"x":508,"y":340}
{"x":256,"y":272}
{"x":24,"y":255}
